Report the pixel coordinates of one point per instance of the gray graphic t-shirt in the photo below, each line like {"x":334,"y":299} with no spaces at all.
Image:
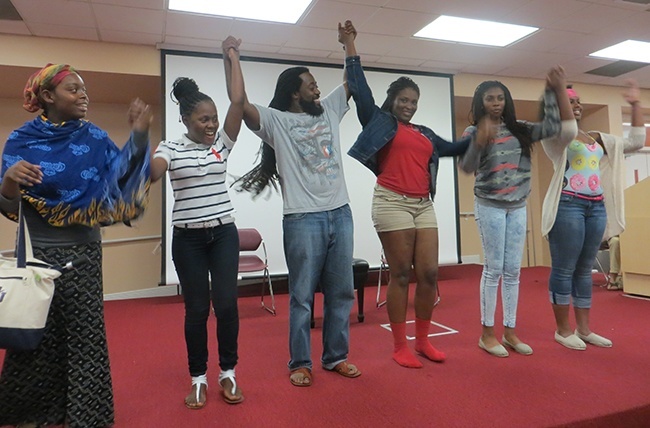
{"x":308,"y":154}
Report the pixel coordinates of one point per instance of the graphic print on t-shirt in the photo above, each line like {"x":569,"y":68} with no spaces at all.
{"x":313,"y":143}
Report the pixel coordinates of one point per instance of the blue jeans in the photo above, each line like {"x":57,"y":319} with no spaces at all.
{"x":197,"y":252}
{"x":503,"y":234}
{"x":318,"y":250}
{"x":574,"y":241}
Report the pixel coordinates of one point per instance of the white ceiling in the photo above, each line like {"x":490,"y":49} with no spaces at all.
{"x":569,"y":31}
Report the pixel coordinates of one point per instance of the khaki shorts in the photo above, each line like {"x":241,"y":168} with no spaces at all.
{"x":392,"y":211}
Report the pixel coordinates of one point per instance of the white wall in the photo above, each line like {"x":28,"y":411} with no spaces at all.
{"x":265,"y":214}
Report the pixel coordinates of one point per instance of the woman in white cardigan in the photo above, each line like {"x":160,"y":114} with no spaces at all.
{"x":586,"y":189}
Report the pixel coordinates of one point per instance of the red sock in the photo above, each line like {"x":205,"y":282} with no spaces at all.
{"x":422,"y":344}
{"x":401,"y":353}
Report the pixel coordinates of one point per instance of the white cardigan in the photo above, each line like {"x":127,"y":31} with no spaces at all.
{"x":612,"y":176}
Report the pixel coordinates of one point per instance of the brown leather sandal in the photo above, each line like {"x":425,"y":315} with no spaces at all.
{"x":300,"y":377}
{"x":346,"y":369}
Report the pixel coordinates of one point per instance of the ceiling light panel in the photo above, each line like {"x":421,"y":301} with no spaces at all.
{"x":474,"y":31}
{"x":629,"y":50}
{"x":284,"y":11}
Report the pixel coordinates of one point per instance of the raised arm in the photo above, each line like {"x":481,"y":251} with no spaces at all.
{"x":251,"y":116}
{"x":235,"y":87}
{"x":633,"y":98}
{"x":236,"y":91}
{"x":636,"y":139}
{"x":356,"y":79}
{"x":556,"y":81}
{"x":347,"y":34}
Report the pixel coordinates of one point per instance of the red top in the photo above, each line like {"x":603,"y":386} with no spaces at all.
{"x":404,"y":162}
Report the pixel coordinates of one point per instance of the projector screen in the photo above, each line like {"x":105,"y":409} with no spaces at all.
{"x":265,"y":212}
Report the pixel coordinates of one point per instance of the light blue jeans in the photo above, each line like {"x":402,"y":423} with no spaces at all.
{"x":503,"y":234}
{"x":574,"y":241}
{"x":318,"y":249}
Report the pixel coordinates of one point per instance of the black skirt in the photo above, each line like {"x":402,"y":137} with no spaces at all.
{"x":67,"y":379}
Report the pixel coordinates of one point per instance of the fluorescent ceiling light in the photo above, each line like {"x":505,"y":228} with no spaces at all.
{"x":474,"y":31}
{"x":629,"y":50}
{"x":285,"y":11}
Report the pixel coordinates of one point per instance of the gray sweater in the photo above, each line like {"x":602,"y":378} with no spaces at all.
{"x":502,"y":170}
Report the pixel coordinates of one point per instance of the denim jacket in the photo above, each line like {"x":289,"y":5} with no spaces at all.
{"x":379,"y":127}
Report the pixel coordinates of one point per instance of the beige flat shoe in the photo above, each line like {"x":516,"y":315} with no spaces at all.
{"x":497,"y":351}
{"x":595,"y":339}
{"x":520,"y":348}
{"x":571,"y":341}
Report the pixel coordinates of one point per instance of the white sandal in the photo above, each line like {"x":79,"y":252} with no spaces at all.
{"x":199,"y":381}
{"x":230,"y":375}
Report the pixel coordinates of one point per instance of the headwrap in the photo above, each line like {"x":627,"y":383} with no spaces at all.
{"x":47,"y":77}
{"x":87,"y":179}
{"x":572,"y":93}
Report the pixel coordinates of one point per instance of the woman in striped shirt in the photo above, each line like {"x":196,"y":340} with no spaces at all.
{"x":205,"y":244}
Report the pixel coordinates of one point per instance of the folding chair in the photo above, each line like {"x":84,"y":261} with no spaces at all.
{"x":250,"y":241}
{"x":599,"y":266}
{"x":383,"y":274}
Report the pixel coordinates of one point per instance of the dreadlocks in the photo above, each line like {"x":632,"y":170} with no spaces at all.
{"x":265,"y":173}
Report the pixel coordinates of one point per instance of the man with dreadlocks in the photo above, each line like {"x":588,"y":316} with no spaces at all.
{"x":301,"y":150}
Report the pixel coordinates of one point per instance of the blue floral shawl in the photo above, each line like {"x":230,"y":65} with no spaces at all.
{"x":87,"y":179}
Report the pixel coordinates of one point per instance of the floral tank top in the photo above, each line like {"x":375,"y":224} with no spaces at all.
{"x":582,"y":174}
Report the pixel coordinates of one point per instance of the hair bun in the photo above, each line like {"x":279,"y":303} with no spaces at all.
{"x":184,"y":87}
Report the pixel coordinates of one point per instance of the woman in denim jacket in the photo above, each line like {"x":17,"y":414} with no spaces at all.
{"x":404,"y":157}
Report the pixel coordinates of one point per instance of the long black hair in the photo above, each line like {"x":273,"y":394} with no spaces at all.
{"x":265,"y":173}
{"x":518,"y":129}
{"x":394,"y":88}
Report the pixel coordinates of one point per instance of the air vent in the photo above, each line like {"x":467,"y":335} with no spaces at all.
{"x":617,"y":68}
{"x":8,"y":12}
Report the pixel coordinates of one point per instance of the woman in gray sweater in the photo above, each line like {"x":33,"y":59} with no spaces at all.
{"x":502,"y":168}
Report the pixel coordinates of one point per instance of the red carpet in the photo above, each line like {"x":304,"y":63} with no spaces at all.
{"x":553,"y":387}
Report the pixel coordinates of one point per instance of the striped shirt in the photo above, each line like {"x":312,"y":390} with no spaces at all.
{"x":198,"y":176}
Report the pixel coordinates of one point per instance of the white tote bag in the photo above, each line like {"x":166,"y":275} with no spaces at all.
{"x":26,"y":290}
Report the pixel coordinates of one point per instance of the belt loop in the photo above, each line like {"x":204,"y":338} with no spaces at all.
{"x":220,"y":222}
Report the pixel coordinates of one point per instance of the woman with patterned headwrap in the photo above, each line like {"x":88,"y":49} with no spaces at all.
{"x":70,"y":179}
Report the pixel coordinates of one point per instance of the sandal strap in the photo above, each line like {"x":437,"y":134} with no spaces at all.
{"x":198,"y":381}
{"x":229,"y":374}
